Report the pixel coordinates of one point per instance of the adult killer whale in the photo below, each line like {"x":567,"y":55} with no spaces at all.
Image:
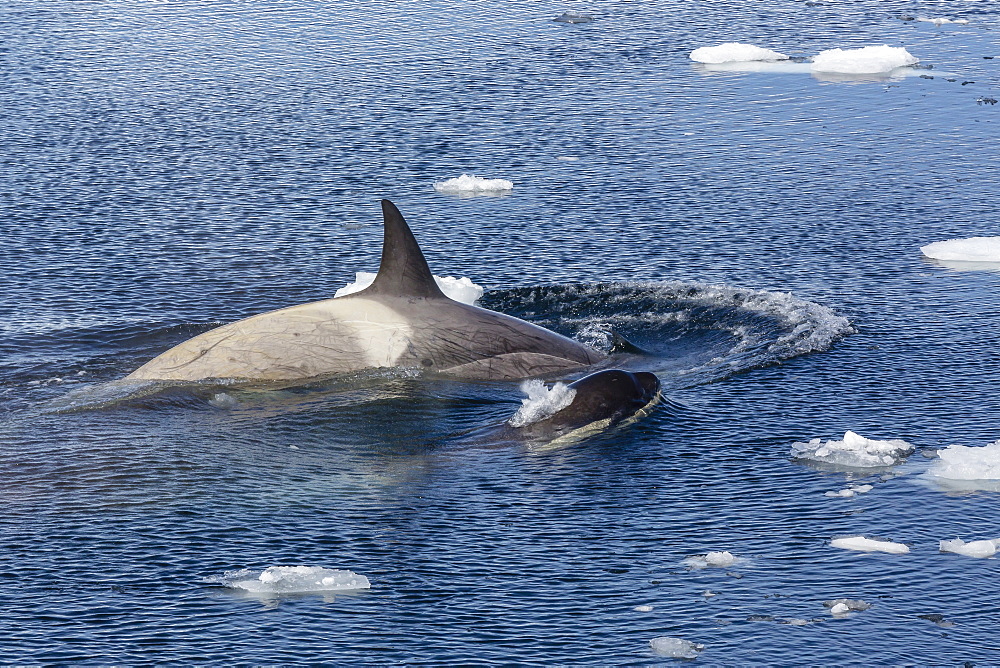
{"x":401,"y":320}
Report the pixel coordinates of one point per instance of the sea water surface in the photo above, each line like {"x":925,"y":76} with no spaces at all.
{"x":166,"y":167}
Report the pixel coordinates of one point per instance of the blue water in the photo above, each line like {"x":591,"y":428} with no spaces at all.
{"x":167,"y":167}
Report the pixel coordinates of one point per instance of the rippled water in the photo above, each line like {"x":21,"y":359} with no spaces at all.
{"x":170,"y":166}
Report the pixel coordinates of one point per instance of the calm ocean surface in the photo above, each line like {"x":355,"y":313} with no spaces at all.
{"x":166,"y":167}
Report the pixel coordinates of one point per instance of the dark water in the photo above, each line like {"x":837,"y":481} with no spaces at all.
{"x":166,"y":167}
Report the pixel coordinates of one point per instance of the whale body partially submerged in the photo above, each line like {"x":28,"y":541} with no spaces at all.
{"x":401,"y":320}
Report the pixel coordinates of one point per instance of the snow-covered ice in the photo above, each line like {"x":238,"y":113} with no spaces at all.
{"x":959,"y":462}
{"x":721,"y":559}
{"x":468,"y":183}
{"x":734,"y":52}
{"x":676,"y":648}
{"x":293,"y":579}
{"x":853,"y":451}
{"x":866,"y":60}
{"x":975,"y":548}
{"x":542,"y":402}
{"x":460,"y":289}
{"x":973,"y":249}
{"x":862,"y":544}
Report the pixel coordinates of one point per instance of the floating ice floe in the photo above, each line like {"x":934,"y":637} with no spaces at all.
{"x":722,"y":559}
{"x":840,"y":607}
{"x":542,"y":402}
{"x":867,"y":60}
{"x":973,"y":249}
{"x":959,"y":462}
{"x":862,"y":544}
{"x":975,"y":548}
{"x":293,"y":579}
{"x":676,"y":648}
{"x":734,"y":52}
{"x":849,"y":491}
{"x":942,"y":20}
{"x":855,"y":451}
{"x":460,"y":289}
{"x":469,"y":184}
{"x":643,"y":608}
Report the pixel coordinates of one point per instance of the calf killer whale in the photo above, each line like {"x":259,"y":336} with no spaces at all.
{"x":599,"y":401}
{"x":401,"y":320}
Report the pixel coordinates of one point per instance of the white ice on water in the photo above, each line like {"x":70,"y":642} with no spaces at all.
{"x":959,"y":462}
{"x":866,"y":60}
{"x":942,"y":20}
{"x":468,"y":183}
{"x":294,"y":579}
{"x":734,"y":52}
{"x":973,"y":249}
{"x":840,"y":607}
{"x":976,"y":548}
{"x":542,"y":402}
{"x":862,"y":544}
{"x":721,"y":559}
{"x":676,"y":648}
{"x":854,"y":451}
{"x":460,"y":289}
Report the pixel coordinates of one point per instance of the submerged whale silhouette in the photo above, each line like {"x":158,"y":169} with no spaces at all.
{"x":401,"y":320}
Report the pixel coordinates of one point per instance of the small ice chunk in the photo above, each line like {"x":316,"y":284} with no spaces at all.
{"x":676,"y":648}
{"x":795,"y":621}
{"x":973,"y":249}
{"x":844,"y":493}
{"x":734,"y":52}
{"x":467,"y":183}
{"x":573,"y":17}
{"x":862,"y":544}
{"x":942,"y":20}
{"x":842,"y":606}
{"x":708,"y":593}
{"x":854,"y":451}
{"x":542,"y":402}
{"x":293,"y":579}
{"x":867,"y":60}
{"x":976,"y":548}
{"x":722,"y":559}
{"x":460,"y":289}
{"x":643,"y":608}
{"x":861,"y":489}
{"x":223,"y":400}
{"x":958,"y":462}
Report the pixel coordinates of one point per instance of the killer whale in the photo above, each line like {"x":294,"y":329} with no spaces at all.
{"x":401,"y":320}
{"x":600,"y":400}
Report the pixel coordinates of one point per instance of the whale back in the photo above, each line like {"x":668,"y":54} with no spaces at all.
{"x":403,"y":271}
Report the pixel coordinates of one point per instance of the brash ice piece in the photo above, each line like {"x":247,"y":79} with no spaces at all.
{"x":401,"y":320}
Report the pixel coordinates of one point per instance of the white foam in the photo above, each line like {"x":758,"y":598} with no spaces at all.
{"x":976,"y":548}
{"x":542,"y":402}
{"x":867,"y":60}
{"x":973,"y":249}
{"x":460,"y":289}
{"x":958,"y":462}
{"x":942,"y":20}
{"x":721,"y":559}
{"x":467,"y":183}
{"x":862,"y":544}
{"x":854,"y":451}
{"x":293,"y":579}
{"x":734,"y":52}
{"x":676,"y":648}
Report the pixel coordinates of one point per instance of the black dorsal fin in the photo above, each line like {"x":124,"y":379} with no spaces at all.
{"x":403,"y":271}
